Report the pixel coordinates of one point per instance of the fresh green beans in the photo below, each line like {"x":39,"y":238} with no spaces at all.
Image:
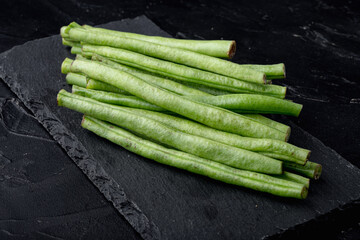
{"x":70,"y":43}
{"x":196,"y":145}
{"x":214,"y":170}
{"x":286,"y":151}
{"x":294,"y":178}
{"x":132,"y":101}
{"x":176,"y":55}
{"x":209,"y":115}
{"x":215,"y":48}
{"x":251,"y":102}
{"x":269,"y":122}
{"x":182,"y":73}
{"x":76,"y":79}
{"x":115,"y":98}
{"x":310,"y":169}
{"x":167,"y":84}
{"x":83,"y":81}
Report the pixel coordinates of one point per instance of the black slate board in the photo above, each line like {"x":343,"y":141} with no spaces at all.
{"x":174,"y":204}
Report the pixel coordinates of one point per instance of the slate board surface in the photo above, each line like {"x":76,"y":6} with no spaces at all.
{"x":161,"y":201}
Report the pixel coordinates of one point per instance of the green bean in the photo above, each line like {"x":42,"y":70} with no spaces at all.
{"x":283,"y":157}
{"x":215,"y":48}
{"x":181,"y":72}
{"x":294,"y":178}
{"x":251,"y":102}
{"x":209,"y":115}
{"x":310,"y":169}
{"x":115,"y":98}
{"x":158,"y":81}
{"x":176,"y":55}
{"x":83,"y":81}
{"x":196,"y":145}
{"x":188,"y":162}
{"x":269,"y":122}
{"x":70,"y":43}
{"x":76,"y":79}
{"x":98,"y":85}
{"x":132,"y":101}
{"x":288,"y":151}
{"x":274,"y":71}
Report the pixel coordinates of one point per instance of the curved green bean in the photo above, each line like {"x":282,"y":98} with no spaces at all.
{"x":209,"y":115}
{"x":294,"y":178}
{"x":182,"y":73}
{"x":188,"y":162}
{"x":251,"y":102}
{"x":310,"y":169}
{"x":161,"y":82}
{"x":116,"y":98}
{"x":176,"y":55}
{"x":215,"y":48}
{"x":269,"y":122}
{"x":150,"y":128}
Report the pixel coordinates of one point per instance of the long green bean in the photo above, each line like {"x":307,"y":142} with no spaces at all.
{"x":215,"y":48}
{"x":176,"y":55}
{"x":294,"y":178}
{"x":132,"y":101}
{"x":214,"y":170}
{"x":182,"y":73}
{"x":76,"y":79}
{"x":116,"y":99}
{"x":158,"y":81}
{"x":196,"y":145}
{"x":269,"y":122}
{"x":209,"y":115}
{"x":251,"y":102}
{"x":310,"y":169}
{"x":285,"y":151}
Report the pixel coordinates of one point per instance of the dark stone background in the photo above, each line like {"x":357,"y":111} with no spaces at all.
{"x":319,"y":41}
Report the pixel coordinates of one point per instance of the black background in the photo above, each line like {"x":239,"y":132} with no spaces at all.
{"x":318,"y":41}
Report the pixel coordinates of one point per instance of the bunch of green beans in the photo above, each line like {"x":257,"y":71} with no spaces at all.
{"x":198,"y":112}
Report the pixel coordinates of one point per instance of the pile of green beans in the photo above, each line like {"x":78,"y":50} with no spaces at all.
{"x":179,"y":103}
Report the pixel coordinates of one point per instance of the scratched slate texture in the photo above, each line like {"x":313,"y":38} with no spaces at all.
{"x":157,"y":200}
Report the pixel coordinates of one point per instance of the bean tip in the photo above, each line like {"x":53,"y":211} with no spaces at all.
{"x":232,"y":50}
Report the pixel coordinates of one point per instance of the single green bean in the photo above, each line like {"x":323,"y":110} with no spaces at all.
{"x":215,"y":48}
{"x":182,"y":73}
{"x":172,"y":86}
{"x":116,"y":99}
{"x":283,"y":157}
{"x":269,"y":122}
{"x":251,"y":102}
{"x":273,"y":71}
{"x":83,"y":81}
{"x":76,"y":79}
{"x":294,"y":178}
{"x":176,"y":55}
{"x":191,"y":163}
{"x":76,"y":50}
{"x":310,"y":169}
{"x":209,"y":115}
{"x":192,"y":144}
{"x":70,"y":43}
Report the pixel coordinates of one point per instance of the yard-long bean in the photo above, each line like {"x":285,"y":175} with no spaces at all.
{"x":188,"y":162}
{"x":310,"y":169}
{"x":209,"y":115}
{"x":181,"y":72}
{"x":215,"y":48}
{"x":162,"y":133}
{"x":251,"y":102}
{"x":176,"y":55}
